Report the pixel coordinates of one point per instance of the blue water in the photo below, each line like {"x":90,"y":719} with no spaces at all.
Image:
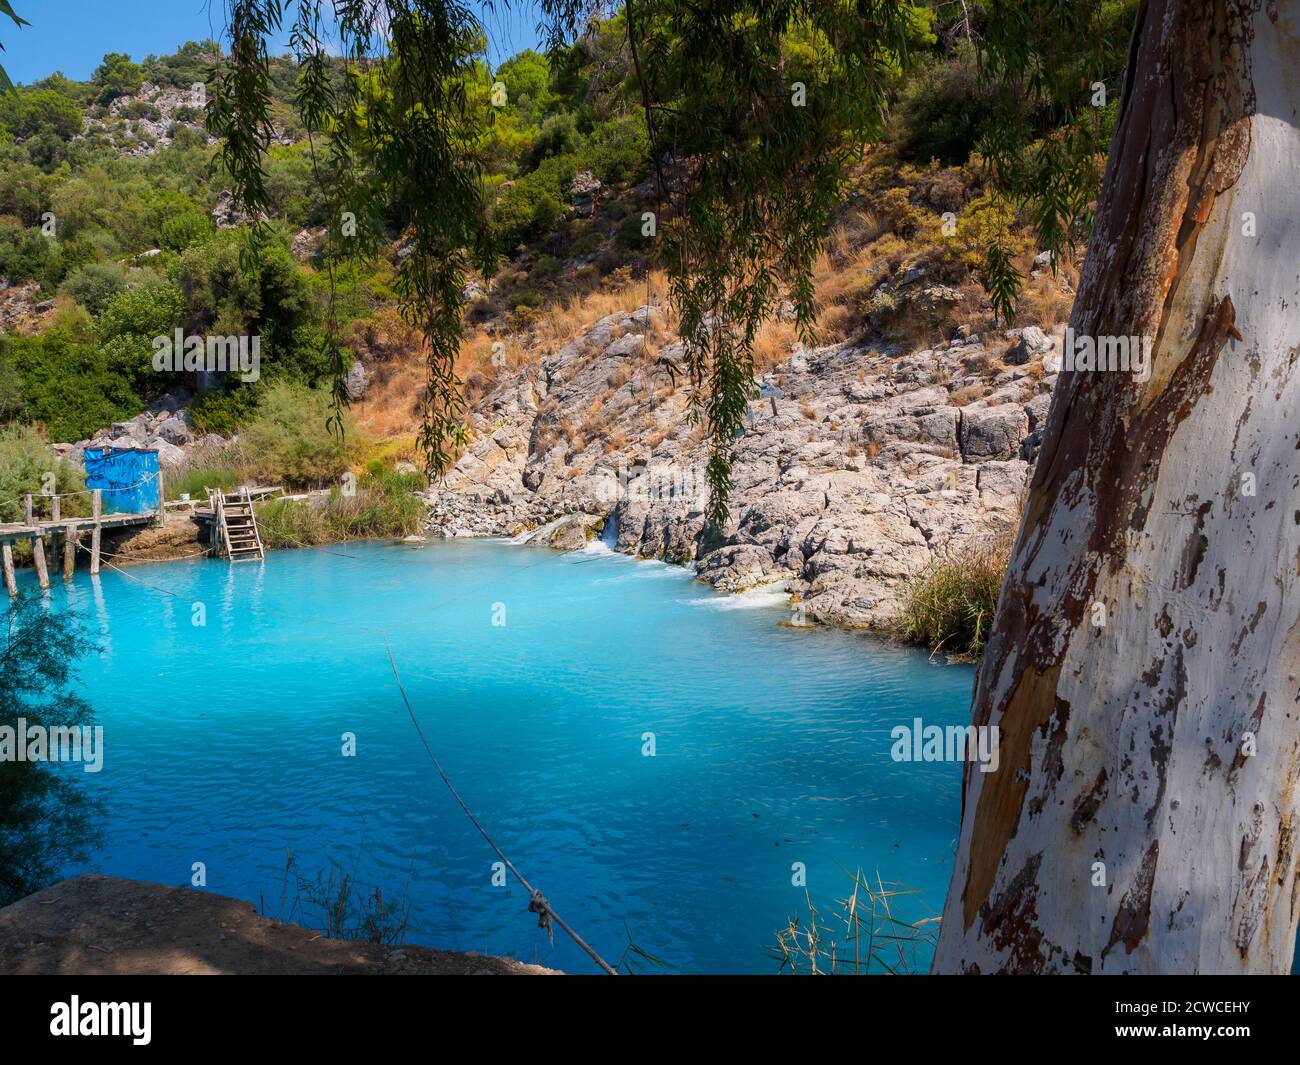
{"x":223,"y":745}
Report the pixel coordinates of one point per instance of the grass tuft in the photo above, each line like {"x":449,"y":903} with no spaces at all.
{"x":949,"y":605}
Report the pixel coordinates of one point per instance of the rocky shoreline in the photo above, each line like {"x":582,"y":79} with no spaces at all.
{"x":858,"y":466}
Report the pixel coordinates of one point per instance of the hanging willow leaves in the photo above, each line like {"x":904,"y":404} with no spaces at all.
{"x":401,"y":138}
{"x":1055,"y":68}
{"x":754,"y":111}
{"x":5,"y":9}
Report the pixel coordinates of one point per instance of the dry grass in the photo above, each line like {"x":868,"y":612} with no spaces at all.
{"x":961,"y":396}
{"x":872,"y":937}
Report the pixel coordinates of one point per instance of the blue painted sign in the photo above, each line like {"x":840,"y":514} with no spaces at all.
{"x":127,"y":476}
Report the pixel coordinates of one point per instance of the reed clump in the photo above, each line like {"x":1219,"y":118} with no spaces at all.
{"x":949,"y":605}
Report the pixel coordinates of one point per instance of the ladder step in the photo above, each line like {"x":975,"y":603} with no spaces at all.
{"x":237,"y":530}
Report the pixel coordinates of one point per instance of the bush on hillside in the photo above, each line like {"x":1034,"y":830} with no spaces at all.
{"x":67,"y":385}
{"x":25,"y":460}
{"x":943,"y":110}
{"x":289,"y":441}
{"x":94,"y":284}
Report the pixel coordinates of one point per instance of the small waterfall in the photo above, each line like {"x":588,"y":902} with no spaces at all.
{"x":609,"y":534}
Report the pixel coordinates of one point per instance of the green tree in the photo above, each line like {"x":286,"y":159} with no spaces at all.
{"x":116,"y":76}
{"x":33,"y":112}
{"x":94,"y":284}
{"x":46,"y":818}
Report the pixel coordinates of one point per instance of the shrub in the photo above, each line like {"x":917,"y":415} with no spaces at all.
{"x":67,"y":385}
{"x":94,"y":284}
{"x":950,"y":604}
{"x":32,"y":113}
{"x":630,"y":235}
{"x":25,"y":459}
{"x":224,"y":411}
{"x":943,"y":111}
{"x":185,"y":228}
{"x":141,"y":109}
{"x":385,"y":504}
{"x":117,"y":76}
{"x":289,"y":440}
{"x":534,"y":203}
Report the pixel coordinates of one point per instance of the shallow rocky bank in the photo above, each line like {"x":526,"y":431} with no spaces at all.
{"x":859,"y":464}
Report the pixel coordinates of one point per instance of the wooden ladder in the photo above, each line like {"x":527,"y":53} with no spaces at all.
{"x":238,"y":527}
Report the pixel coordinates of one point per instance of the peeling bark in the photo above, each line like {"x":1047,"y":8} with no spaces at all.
{"x":1163,"y":747}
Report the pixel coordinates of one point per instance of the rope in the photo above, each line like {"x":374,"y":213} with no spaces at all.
{"x":536,"y":900}
{"x":128,"y":576}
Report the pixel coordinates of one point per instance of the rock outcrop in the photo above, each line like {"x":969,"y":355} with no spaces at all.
{"x":856,"y":467}
{"x":165,"y":427}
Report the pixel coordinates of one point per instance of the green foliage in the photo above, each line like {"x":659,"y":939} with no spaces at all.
{"x":944,"y":110}
{"x":201,"y":473}
{"x":186,"y":227}
{"x":116,"y":76}
{"x":94,"y":284}
{"x":1046,"y":63}
{"x":630,"y":234}
{"x":534,"y":203}
{"x":558,"y":136}
{"x":949,"y":605}
{"x":25,"y":461}
{"x":141,"y":109}
{"x":11,"y":386}
{"x":27,"y":254}
{"x":384,"y":505}
{"x":35,"y":111}
{"x":288,"y":440}
{"x":46,"y":817}
{"x":224,"y":411}
{"x":527,"y":78}
{"x":618,"y":150}
{"x":153,"y":308}
{"x":188,"y":66}
{"x":68,"y":386}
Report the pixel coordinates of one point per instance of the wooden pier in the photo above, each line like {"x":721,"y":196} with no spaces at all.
{"x":57,"y":527}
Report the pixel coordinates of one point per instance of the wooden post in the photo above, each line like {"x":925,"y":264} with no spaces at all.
{"x":11,"y":582}
{"x":69,"y":550}
{"x":27,"y":511}
{"x":38,"y":554}
{"x":97,"y":509}
{"x":54,"y":508}
{"x":162,"y":515}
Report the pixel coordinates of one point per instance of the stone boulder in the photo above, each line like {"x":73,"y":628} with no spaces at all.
{"x":1032,"y":343}
{"x":175,"y":430}
{"x":992,"y":433}
{"x":356,"y":380}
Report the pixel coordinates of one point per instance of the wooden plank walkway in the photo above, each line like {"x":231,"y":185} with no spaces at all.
{"x":70,"y":529}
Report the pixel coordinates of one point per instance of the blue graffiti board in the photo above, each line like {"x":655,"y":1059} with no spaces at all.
{"x":128,"y":478}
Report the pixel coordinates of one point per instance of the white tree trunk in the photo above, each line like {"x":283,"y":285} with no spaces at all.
{"x":1126,"y":748}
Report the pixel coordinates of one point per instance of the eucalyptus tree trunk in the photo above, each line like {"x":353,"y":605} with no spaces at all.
{"x":1144,"y":670}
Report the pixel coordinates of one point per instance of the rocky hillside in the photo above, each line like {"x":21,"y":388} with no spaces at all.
{"x":859,"y":464}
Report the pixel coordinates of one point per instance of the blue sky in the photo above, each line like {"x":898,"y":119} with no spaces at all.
{"x":72,"y":35}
